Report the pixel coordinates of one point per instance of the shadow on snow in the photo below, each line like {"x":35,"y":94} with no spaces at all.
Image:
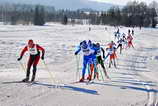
{"x":66,"y":87}
{"x":128,"y":87}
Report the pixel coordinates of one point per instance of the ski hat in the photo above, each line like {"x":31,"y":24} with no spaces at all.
{"x":84,"y":44}
{"x":30,"y":41}
{"x":84,"y":41}
{"x":111,"y":44}
{"x":98,"y":44}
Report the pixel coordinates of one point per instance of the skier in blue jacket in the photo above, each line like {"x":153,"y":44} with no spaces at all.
{"x":88,"y":56}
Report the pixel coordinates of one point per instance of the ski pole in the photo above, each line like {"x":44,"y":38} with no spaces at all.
{"x":101,"y":74}
{"x":23,"y":67}
{"x":99,"y":71}
{"x":50,"y":74}
{"x":80,"y":68}
{"x":91,"y":68}
{"x":77,"y":64}
{"x":89,"y":71}
{"x":96,"y":71}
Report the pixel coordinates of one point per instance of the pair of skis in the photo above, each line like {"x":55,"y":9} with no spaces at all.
{"x":85,"y":81}
{"x":29,"y":83}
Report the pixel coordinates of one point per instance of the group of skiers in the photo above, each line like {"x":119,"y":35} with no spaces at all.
{"x":123,"y":40}
{"x":93,"y":55}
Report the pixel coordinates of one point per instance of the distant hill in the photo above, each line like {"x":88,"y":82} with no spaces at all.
{"x":65,"y":4}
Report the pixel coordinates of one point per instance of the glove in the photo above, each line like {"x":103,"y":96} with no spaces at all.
{"x":19,"y":58}
{"x":42,"y":57}
{"x":76,"y":53}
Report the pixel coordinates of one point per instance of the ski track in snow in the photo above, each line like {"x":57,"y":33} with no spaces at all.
{"x":132,"y":83}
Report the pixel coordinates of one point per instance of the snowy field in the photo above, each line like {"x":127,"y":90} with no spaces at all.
{"x":133,"y":83}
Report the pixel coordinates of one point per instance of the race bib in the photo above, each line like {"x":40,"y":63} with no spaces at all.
{"x":33,"y":51}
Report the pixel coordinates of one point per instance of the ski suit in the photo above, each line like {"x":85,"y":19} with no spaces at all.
{"x":34,"y":57}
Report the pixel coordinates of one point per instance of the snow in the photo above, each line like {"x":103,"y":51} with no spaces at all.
{"x":133,"y":83}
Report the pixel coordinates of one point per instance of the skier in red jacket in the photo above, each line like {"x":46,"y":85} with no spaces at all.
{"x":34,"y":51}
{"x":129,"y":39}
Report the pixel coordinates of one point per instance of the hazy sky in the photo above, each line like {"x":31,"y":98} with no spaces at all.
{"x":77,"y":4}
{"x":122,"y":2}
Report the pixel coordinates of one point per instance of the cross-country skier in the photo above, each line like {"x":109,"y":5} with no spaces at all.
{"x":34,"y":51}
{"x":120,"y":43}
{"x":93,"y":64}
{"x":125,"y":42}
{"x":99,"y":49}
{"x":117,"y":34}
{"x":112,"y":53}
{"x":88,"y":54}
{"x":129,"y":39}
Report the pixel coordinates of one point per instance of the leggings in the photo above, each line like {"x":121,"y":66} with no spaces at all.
{"x":33,"y":60}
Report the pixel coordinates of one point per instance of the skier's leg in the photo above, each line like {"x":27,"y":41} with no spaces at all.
{"x":29,"y":64}
{"x":35,"y":67}
{"x":110,"y":62}
{"x":132,"y":44}
{"x":114,"y":63}
{"x":85,"y":61}
{"x":121,"y":49}
{"x":102,"y":65}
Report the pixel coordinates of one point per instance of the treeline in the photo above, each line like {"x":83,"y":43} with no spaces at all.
{"x":37,"y":14}
{"x":25,"y":14}
{"x":133,"y":14}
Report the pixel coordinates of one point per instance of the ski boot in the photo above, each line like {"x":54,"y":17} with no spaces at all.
{"x":25,"y":80}
{"x":33,"y":78}
{"x":82,"y":79}
{"x":89,"y":78}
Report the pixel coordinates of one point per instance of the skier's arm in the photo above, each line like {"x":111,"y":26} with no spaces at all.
{"x":22,"y":53}
{"x":103,"y":52}
{"x":79,"y":49}
{"x":42,"y":49}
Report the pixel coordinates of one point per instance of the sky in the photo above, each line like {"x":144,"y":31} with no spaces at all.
{"x":65,"y":4}
{"x":77,"y":4}
{"x":122,"y":2}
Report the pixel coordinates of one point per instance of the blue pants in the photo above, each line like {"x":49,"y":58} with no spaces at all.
{"x":91,"y":59}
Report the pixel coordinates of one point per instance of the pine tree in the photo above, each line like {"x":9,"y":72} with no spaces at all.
{"x":39,"y":16}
